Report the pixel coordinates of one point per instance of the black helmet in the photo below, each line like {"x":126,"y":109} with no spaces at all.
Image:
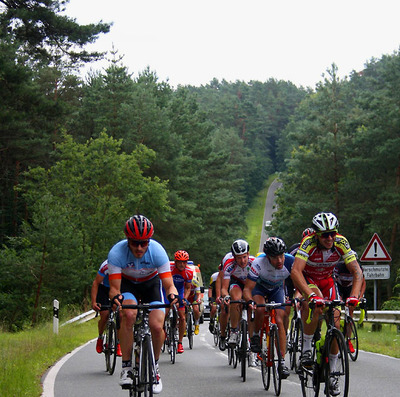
{"x":274,"y":246}
{"x":240,"y":247}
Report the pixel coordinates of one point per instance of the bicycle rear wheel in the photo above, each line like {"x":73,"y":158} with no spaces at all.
{"x":309,"y":378}
{"x":351,"y":338}
{"x":275,"y":355}
{"x":243,"y":349}
{"x":216,"y":332}
{"x":340,"y":372}
{"x":110,"y":351}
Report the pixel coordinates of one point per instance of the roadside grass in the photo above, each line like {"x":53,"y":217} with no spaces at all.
{"x":27,"y":355}
{"x":255,"y":217}
{"x":385,"y":342}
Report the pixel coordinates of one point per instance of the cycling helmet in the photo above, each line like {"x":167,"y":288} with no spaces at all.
{"x":181,"y":255}
{"x":308,"y":232}
{"x":325,"y":222}
{"x":274,"y":246}
{"x":138,"y":227}
{"x":240,"y":247}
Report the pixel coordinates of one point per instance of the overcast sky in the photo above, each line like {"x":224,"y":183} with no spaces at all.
{"x":191,"y":42}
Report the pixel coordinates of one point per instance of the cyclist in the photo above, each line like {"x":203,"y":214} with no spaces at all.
{"x":182,"y":276}
{"x":195,"y":298}
{"x":312,"y":272}
{"x":236,"y":265}
{"x":100,"y":296}
{"x":290,"y":288}
{"x":137,"y":267}
{"x":211,"y":300}
{"x":344,"y":283}
{"x":266,"y":282}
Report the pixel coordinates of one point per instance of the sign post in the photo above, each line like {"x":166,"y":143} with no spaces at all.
{"x":376,"y":252}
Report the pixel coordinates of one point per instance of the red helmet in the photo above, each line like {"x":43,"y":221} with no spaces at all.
{"x":308,"y":232}
{"x":138,"y":227}
{"x":181,"y":255}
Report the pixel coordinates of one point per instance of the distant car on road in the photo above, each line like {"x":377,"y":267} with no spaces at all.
{"x":267,"y":224}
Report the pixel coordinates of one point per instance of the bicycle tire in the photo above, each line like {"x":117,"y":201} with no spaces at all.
{"x":296,"y":343}
{"x":353,"y":337}
{"x":111,"y":349}
{"x":341,"y":372}
{"x":146,"y":376}
{"x":216,"y":332}
{"x":309,"y":378}
{"x":265,"y":362}
{"x":275,"y":352}
{"x":243,"y":349}
{"x":190,"y":330}
{"x":172,"y":344}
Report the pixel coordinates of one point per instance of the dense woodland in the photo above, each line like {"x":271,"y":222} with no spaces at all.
{"x":79,"y":155}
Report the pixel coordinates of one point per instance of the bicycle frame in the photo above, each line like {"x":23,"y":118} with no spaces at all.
{"x":143,"y":375}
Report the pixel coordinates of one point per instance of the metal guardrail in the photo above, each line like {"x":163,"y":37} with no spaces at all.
{"x":380,"y":316}
{"x":81,"y":318}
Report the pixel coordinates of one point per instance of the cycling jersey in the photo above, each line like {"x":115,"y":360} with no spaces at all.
{"x":266,"y":275}
{"x":320,"y":263}
{"x":213,"y":279}
{"x":181,"y":277}
{"x":122,"y":263}
{"x":103,"y":272}
{"x":233,"y":271}
{"x":342,"y":275}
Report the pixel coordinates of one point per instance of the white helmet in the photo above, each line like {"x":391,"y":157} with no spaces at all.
{"x":325,"y":222}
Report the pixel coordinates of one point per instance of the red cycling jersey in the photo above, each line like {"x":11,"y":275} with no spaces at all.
{"x":321,"y":263}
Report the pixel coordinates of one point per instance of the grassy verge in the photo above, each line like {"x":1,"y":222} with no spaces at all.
{"x":255,"y":217}
{"x":27,"y":355}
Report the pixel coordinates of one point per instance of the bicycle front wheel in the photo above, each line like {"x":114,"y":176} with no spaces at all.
{"x":190,"y":330}
{"x":146,"y":375}
{"x":309,"y":378}
{"x":243,"y":349}
{"x":351,"y":338}
{"x":296,"y":335}
{"x":336,"y":370}
{"x":111,"y":347}
{"x":275,"y":354}
{"x":172,"y":344}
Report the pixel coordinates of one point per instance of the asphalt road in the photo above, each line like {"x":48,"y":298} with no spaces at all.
{"x":269,"y":210}
{"x":204,"y":371}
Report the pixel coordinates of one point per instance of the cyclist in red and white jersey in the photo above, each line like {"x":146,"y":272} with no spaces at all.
{"x":236,"y":265}
{"x":312,"y":274}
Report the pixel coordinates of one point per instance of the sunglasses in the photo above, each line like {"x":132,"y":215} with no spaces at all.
{"x":136,"y":243}
{"x":327,"y":234}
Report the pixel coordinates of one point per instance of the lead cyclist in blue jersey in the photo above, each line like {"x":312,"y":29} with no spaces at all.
{"x":138,"y":266}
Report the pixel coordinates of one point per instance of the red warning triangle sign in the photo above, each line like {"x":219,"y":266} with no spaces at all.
{"x":375,"y":251}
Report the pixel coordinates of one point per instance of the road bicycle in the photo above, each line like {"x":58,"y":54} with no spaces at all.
{"x":110,"y":340}
{"x":171,"y":331}
{"x":270,"y":356}
{"x":295,"y":335}
{"x":321,"y":370}
{"x":349,"y":329}
{"x":144,"y":373}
